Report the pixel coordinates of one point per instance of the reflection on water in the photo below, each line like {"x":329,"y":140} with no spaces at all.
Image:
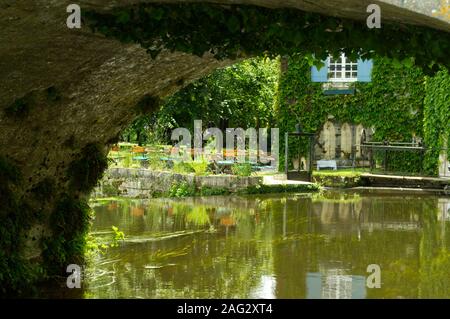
{"x":298,"y":246}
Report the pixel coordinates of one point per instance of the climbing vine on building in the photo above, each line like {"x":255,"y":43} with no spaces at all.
{"x":437,"y":119}
{"x":392,"y":104}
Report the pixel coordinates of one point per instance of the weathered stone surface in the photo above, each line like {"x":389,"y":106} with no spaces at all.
{"x":405,"y":181}
{"x":143,"y":183}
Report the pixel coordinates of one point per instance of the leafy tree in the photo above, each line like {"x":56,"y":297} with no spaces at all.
{"x":139,"y":131}
{"x":241,"y":95}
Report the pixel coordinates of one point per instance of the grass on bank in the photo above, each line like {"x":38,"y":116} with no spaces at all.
{"x":357,"y":172}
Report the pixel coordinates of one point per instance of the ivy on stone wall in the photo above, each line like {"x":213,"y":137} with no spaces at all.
{"x":69,"y":221}
{"x":392,"y":104}
{"x":65,"y":240}
{"x":242,"y":31}
{"x":16,"y":218}
{"x":437,"y":119}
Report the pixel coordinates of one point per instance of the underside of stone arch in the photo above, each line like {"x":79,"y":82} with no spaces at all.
{"x":66,"y":94}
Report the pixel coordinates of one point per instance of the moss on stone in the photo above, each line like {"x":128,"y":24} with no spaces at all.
{"x":44,"y":190}
{"x":16,"y":217}
{"x":69,"y":223}
{"x":87,"y":169}
{"x":213,"y":191}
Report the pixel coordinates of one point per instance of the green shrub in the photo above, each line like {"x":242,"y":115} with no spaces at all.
{"x":117,"y":237}
{"x":182,"y":189}
{"x":155,"y":163}
{"x":286,"y":188}
{"x":183,"y":168}
{"x":212,"y":191}
{"x":242,"y":169}
{"x":200,"y":167}
{"x":127,"y":161}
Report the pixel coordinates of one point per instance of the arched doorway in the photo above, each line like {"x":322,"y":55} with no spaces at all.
{"x":346,"y":141}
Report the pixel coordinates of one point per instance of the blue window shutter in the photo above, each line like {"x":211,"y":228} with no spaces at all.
{"x":365,"y":70}
{"x":319,"y":75}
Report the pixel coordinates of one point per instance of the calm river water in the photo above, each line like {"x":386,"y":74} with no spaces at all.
{"x":274,"y":246}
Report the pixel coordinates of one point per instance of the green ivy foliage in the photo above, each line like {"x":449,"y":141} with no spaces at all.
{"x":392,"y":104}
{"x":241,"y":95}
{"x":69,"y":223}
{"x":87,"y":169}
{"x":242,"y":31}
{"x":437,"y":118}
{"x":182,"y":189}
{"x":242,"y":169}
{"x":16,"y":218}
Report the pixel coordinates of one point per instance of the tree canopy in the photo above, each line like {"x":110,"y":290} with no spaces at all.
{"x":241,"y":95}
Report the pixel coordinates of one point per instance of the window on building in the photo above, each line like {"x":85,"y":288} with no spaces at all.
{"x":342,"y":69}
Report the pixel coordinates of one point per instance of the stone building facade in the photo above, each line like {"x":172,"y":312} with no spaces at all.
{"x":341,"y":142}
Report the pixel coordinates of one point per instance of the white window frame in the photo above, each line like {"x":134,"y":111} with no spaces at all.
{"x":336,"y":68}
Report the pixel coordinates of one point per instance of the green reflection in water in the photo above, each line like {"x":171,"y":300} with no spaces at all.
{"x":274,"y":246}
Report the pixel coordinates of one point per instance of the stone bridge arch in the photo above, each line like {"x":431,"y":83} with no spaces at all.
{"x":65,"y":95}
